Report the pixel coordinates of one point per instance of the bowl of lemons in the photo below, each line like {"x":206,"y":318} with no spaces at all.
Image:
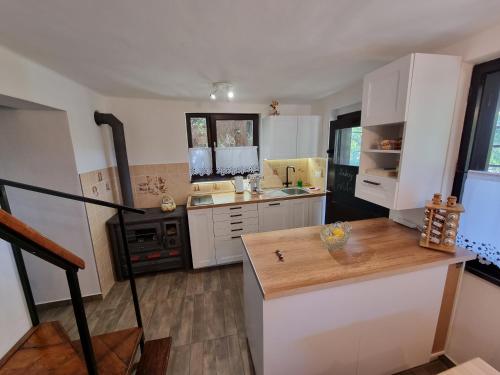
{"x":335,"y":235}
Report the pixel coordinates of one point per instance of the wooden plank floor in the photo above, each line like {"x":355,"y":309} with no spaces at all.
{"x":201,"y":310}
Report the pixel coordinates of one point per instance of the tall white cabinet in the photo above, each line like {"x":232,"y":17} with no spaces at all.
{"x":290,"y":137}
{"x":412,"y":98}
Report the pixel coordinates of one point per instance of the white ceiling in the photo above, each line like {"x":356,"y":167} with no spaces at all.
{"x":293,"y":50}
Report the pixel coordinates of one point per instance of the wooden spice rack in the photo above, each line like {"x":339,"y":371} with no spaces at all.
{"x":441,"y":224}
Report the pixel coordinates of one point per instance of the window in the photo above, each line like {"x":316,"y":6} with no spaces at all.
{"x":347,"y":139}
{"x":348,"y":145}
{"x":222,"y":145}
{"x":480,"y":151}
{"x":494,"y":159}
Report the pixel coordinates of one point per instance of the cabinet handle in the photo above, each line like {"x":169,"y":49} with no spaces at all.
{"x":235,"y":208}
{"x":236,"y":230}
{"x":238,"y":215}
{"x":274,"y":204}
{"x":234,"y":237}
{"x":371,"y":182}
{"x":237,"y":222}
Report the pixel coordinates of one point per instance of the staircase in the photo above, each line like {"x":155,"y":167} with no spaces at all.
{"x":46,"y":348}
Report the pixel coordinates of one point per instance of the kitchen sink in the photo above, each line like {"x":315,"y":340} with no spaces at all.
{"x":294,"y":191}
{"x":201,"y":200}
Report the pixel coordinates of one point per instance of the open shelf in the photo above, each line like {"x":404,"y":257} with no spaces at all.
{"x":383,"y":151}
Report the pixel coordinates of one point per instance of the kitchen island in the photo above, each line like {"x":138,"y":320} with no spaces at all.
{"x":372,"y":308}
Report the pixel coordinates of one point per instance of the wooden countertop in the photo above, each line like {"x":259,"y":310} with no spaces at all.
{"x":230,"y":199}
{"x":377,"y":248}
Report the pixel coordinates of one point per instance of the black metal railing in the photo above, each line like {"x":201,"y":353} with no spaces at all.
{"x":19,"y":243}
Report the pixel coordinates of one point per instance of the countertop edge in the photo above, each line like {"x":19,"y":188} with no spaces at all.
{"x":376,"y":275}
{"x":254,"y":201}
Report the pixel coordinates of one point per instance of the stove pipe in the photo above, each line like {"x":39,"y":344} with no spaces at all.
{"x":121,"y":154}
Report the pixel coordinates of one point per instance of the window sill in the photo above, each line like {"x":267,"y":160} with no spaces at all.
{"x":489,"y":273}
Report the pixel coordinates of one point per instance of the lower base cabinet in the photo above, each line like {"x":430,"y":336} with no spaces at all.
{"x":216,"y":233}
{"x":316,"y":211}
{"x":201,"y":234}
{"x":229,"y":250}
{"x":274,"y":216}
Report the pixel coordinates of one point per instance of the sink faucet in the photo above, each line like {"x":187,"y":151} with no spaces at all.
{"x":287,"y":182}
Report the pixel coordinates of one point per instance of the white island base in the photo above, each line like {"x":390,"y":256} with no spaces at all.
{"x":378,"y":326}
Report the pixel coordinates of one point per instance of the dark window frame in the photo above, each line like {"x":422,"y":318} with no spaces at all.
{"x":212,"y":137}
{"x":472,"y":156}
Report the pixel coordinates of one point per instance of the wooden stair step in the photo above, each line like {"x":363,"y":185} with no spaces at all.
{"x":154,"y":359}
{"x":115,"y":351}
{"x":45,"y":349}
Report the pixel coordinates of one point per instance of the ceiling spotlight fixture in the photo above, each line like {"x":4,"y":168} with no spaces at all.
{"x":222,"y":88}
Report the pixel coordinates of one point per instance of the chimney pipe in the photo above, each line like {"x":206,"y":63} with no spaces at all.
{"x":121,"y":154}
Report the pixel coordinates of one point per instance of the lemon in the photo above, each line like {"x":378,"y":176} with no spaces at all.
{"x":338,"y":232}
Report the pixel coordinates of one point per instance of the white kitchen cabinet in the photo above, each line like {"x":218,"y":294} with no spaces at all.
{"x":316,"y":213}
{"x":308,"y":136}
{"x":230,"y":222}
{"x":298,"y":213}
{"x":385,"y":93}
{"x":229,"y":249}
{"x":412,"y":99}
{"x":274,"y":215}
{"x":290,"y":137}
{"x":278,"y":137}
{"x":201,"y":232}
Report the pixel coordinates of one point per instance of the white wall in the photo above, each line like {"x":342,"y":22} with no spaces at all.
{"x":14,"y":316}
{"x":24,"y":79}
{"x":477,"y":48}
{"x":155,"y":130}
{"x":35,"y":147}
{"x":328,"y":107}
{"x":476,"y":327}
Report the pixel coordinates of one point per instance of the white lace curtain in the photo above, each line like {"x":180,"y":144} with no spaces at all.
{"x":200,"y":161}
{"x":478,"y":229}
{"x":236,"y":160}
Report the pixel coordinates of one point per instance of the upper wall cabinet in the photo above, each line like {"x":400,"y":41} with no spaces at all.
{"x":290,"y":137}
{"x":410,"y":101}
{"x":385,"y":93}
{"x":308,"y":136}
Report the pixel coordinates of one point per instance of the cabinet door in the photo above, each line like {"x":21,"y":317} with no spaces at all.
{"x":229,"y":249}
{"x":201,"y":232}
{"x":316,"y":211}
{"x":279,"y":137}
{"x":308,"y":136}
{"x":299,"y":213}
{"x":273,"y":216}
{"x":385,"y":93}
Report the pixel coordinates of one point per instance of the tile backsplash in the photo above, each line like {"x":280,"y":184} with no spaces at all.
{"x":152,"y":181}
{"x":311,"y":171}
{"x":101,"y":184}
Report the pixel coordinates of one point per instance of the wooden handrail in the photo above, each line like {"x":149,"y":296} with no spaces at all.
{"x":30,"y":234}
